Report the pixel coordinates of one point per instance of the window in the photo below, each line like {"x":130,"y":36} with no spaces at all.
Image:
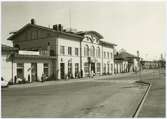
{"x":104,"y":68}
{"x":62,"y":50}
{"x":52,"y":53}
{"x":111,"y":68}
{"x":69,"y":50}
{"x":108,"y":66}
{"x":108,"y":55}
{"x":104,"y":54}
{"x":98,"y":52}
{"x":76,"y":52}
{"x":98,"y":67}
{"x":46,"y":69}
{"x":86,"y":50}
{"x":92,"y":51}
{"x":76,"y":67}
{"x":20,"y":70}
{"x":70,"y":70}
{"x":86,"y":67}
{"x":111,"y":55}
{"x":34,"y":35}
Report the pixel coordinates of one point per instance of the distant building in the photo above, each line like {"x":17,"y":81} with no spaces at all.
{"x":125,"y":62}
{"x":64,"y":54}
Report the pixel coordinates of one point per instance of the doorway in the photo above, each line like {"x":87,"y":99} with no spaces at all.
{"x":93,"y":67}
{"x":34,"y":71}
{"x":62,"y":71}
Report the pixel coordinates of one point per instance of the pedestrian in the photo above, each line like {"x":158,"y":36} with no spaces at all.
{"x":29,"y":78}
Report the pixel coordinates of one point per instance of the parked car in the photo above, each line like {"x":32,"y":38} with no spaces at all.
{"x":4,"y":83}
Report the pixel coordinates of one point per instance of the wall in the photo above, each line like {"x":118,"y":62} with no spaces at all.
{"x":68,"y":42}
{"x":108,"y":60}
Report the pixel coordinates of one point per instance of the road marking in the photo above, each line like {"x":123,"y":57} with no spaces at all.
{"x":142,"y":101}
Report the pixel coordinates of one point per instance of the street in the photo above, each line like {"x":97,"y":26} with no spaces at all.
{"x":94,"y":98}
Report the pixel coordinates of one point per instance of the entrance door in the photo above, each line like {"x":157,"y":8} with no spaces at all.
{"x":62,"y":70}
{"x":34,"y":71}
{"x":93,"y":67}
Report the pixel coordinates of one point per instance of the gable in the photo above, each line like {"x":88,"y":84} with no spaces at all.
{"x":31,"y":33}
{"x":91,"y":38}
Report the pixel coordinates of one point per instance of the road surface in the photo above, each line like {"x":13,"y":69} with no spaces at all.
{"x":94,"y":98}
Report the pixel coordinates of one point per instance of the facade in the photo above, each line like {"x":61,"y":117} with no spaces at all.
{"x":153,"y":64}
{"x":68,"y":54}
{"x":26,"y":65}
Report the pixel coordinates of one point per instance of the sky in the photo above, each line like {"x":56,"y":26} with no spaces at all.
{"x":131,"y":25}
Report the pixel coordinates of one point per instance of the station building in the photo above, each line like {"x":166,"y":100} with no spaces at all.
{"x":65,"y":54}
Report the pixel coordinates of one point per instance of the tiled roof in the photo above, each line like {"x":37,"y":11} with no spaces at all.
{"x":124,"y":55}
{"x":45,"y":28}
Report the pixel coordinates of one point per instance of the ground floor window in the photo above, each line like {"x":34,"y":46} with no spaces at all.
{"x":111,"y":68}
{"x":98,"y":67}
{"x":104,"y":68}
{"x":76,"y":69}
{"x":20,"y":70}
{"x":46,"y":69}
{"x":86,"y":67}
{"x":70,"y":70}
{"x":108,"y":65}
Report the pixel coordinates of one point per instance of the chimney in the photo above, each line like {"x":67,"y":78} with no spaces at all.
{"x":55,"y":27}
{"x":33,"y":21}
{"x":60,"y":27}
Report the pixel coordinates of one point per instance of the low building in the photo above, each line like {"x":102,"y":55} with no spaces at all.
{"x":26,"y":65}
{"x":125,"y":62}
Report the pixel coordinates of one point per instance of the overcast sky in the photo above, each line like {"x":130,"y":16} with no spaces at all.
{"x":131,"y":25}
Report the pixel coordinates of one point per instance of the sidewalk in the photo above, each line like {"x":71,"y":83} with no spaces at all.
{"x":55,"y":82}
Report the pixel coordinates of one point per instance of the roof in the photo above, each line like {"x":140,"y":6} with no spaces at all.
{"x":7,"y":48}
{"x":45,"y":28}
{"x":124,"y":55}
{"x":107,"y":43}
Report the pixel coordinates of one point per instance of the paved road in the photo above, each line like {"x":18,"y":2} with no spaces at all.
{"x":94,"y":98}
{"x":154,"y":105}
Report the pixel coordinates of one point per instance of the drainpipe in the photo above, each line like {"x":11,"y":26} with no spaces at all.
{"x":102,"y":59}
{"x":80,"y":55}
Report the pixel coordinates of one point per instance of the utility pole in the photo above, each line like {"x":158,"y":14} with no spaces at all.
{"x":70,"y":18}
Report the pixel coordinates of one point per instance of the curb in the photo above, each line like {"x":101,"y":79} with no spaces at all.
{"x":135,"y":115}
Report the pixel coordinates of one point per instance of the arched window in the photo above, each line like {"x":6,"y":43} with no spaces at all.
{"x":93,"y":48}
{"x":92,"y":51}
{"x":86,"y":50}
{"x":98,"y":52}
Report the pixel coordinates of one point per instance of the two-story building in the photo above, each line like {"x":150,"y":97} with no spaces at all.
{"x":73,"y":54}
